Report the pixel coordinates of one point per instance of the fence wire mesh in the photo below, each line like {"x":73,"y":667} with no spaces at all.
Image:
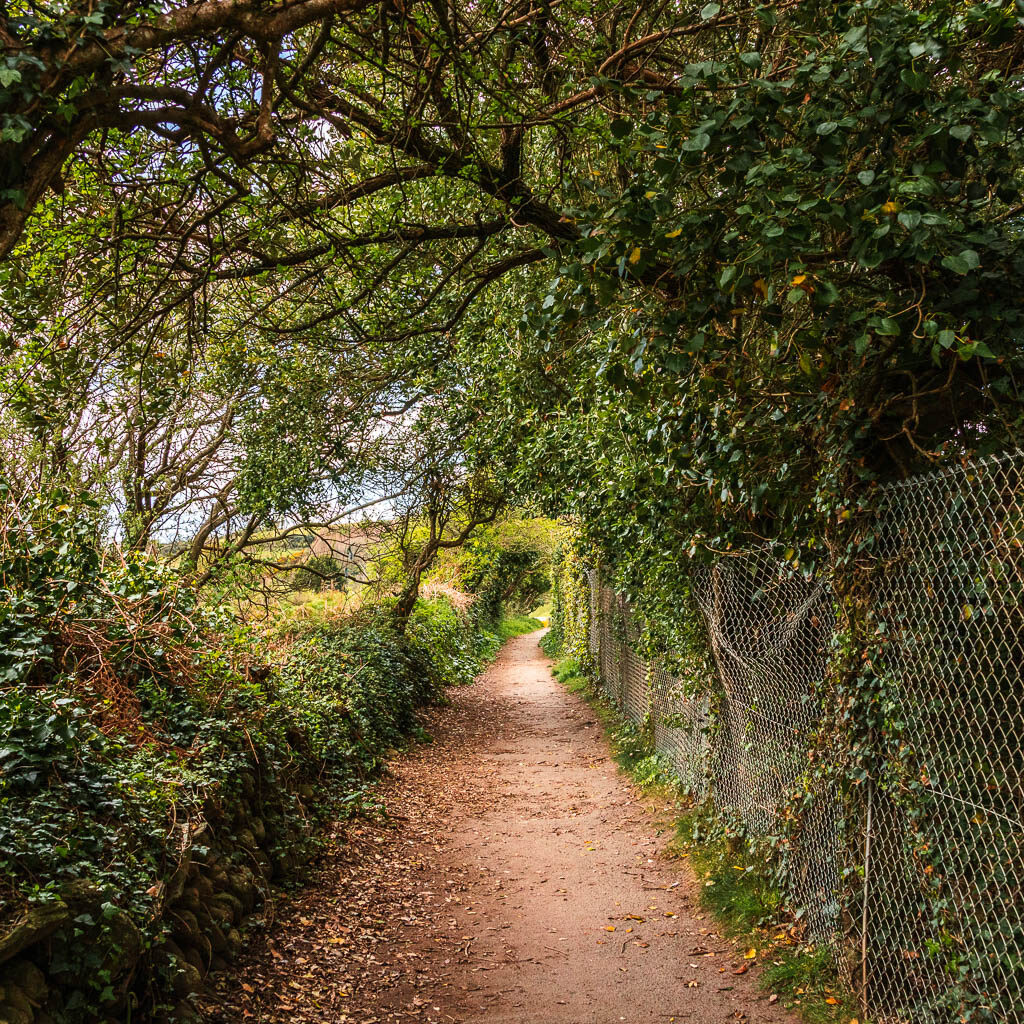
{"x":907,"y":860}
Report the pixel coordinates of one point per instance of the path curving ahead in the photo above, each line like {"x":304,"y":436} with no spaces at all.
{"x":517,"y":880}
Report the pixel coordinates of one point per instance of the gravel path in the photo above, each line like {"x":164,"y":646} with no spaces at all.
{"x":517,"y":879}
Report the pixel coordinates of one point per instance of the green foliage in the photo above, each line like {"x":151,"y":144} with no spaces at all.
{"x":450,"y":648}
{"x":569,"y":635}
{"x":800,"y":284}
{"x":567,"y":671}
{"x":516,"y":625}
{"x":352,"y":688}
{"x":127,"y":706}
{"x":317,"y":573}
{"x":504,"y":566}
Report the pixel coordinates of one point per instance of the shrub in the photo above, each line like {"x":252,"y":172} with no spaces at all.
{"x":319,"y":572}
{"x":144,"y":742}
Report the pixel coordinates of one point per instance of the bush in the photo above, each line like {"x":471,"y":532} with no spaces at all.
{"x":145,"y":747}
{"x":319,"y":572}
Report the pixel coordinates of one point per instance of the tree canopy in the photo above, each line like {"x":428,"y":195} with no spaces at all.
{"x":702,"y":274}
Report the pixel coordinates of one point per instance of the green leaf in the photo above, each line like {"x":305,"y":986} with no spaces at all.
{"x":963,"y":263}
{"x":709,"y":11}
{"x":866,"y":177}
{"x":697,"y":143}
{"x":914,"y":80}
{"x":961,"y":132}
{"x":854,"y":37}
{"x":826,"y":294}
{"x":827,"y":127}
{"x":620,"y":128}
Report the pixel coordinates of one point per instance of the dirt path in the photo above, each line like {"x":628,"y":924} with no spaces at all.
{"x":518,"y":879}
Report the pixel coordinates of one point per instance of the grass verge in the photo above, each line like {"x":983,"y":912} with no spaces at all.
{"x":737,"y":887}
{"x":516,"y":625}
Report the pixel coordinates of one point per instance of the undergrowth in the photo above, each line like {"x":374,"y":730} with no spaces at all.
{"x":516,"y":625}
{"x":736,"y":886}
{"x":146,"y":737}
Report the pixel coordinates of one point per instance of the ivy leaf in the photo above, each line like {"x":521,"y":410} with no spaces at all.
{"x":963,"y":263}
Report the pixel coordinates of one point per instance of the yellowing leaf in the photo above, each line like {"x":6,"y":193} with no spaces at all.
{"x":832,"y":1001}
{"x":798,"y":279}
{"x":674,"y":234}
{"x":609,"y":927}
{"x":891,"y":207}
{"x":750,"y":954}
{"x":650,"y":194}
{"x":635,"y":255}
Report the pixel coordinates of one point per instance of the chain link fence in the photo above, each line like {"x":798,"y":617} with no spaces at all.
{"x":904,"y":843}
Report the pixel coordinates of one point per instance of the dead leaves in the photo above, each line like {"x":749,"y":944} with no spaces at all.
{"x":384,"y":931}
